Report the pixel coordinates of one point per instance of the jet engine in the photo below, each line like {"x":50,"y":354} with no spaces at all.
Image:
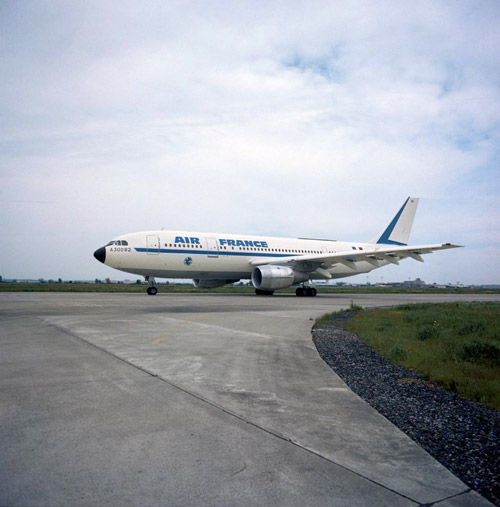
{"x":210,"y":284}
{"x":276,"y":277}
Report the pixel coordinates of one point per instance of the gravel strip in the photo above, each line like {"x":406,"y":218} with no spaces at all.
{"x":462,"y":435}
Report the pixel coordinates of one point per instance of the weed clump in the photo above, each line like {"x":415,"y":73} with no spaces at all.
{"x":398,"y":353}
{"x":478,"y":351}
{"x":427,"y":332}
{"x":471,"y":328}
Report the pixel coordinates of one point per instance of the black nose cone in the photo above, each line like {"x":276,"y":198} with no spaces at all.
{"x":100,"y":254}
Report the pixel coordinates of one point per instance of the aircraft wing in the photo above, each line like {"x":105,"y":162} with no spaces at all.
{"x":373,"y":255}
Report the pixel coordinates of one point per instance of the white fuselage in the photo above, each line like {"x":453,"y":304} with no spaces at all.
{"x":180,"y":254}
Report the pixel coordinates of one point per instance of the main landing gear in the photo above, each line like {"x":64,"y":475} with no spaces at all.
{"x":306,"y":291}
{"x":151,"y":290}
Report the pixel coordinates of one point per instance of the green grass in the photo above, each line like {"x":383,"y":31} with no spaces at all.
{"x":456,"y":345}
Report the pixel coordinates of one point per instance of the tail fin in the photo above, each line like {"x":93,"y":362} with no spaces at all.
{"x":398,"y":231}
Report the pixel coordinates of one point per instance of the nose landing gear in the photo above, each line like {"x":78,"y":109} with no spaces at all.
{"x":151,"y":290}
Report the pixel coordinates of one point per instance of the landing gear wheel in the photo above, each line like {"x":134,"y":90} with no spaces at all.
{"x":152,"y":291}
{"x":261,"y":292}
{"x":306,"y":291}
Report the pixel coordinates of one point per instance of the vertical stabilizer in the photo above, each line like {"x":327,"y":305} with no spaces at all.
{"x":398,"y":231}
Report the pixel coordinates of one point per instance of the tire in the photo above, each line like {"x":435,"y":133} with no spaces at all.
{"x":299,"y":292}
{"x":313,"y":292}
{"x":152,"y":291}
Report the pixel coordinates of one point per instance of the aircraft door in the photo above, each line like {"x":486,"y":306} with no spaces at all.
{"x":153,"y":244}
{"x":212,"y":247}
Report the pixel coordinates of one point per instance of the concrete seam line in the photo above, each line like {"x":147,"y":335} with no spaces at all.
{"x":437,"y":502}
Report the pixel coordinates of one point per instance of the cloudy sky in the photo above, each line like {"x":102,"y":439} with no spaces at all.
{"x":289,"y":118}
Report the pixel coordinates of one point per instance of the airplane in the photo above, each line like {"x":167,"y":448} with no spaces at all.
{"x":272,"y":263}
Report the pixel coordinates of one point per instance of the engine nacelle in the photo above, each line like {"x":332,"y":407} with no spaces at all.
{"x":201,"y":283}
{"x":276,"y":277}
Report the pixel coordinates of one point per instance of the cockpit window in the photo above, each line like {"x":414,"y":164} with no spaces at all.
{"x":118,"y":242}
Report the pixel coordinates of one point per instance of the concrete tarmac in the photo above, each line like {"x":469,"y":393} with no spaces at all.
{"x":187,"y":399}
